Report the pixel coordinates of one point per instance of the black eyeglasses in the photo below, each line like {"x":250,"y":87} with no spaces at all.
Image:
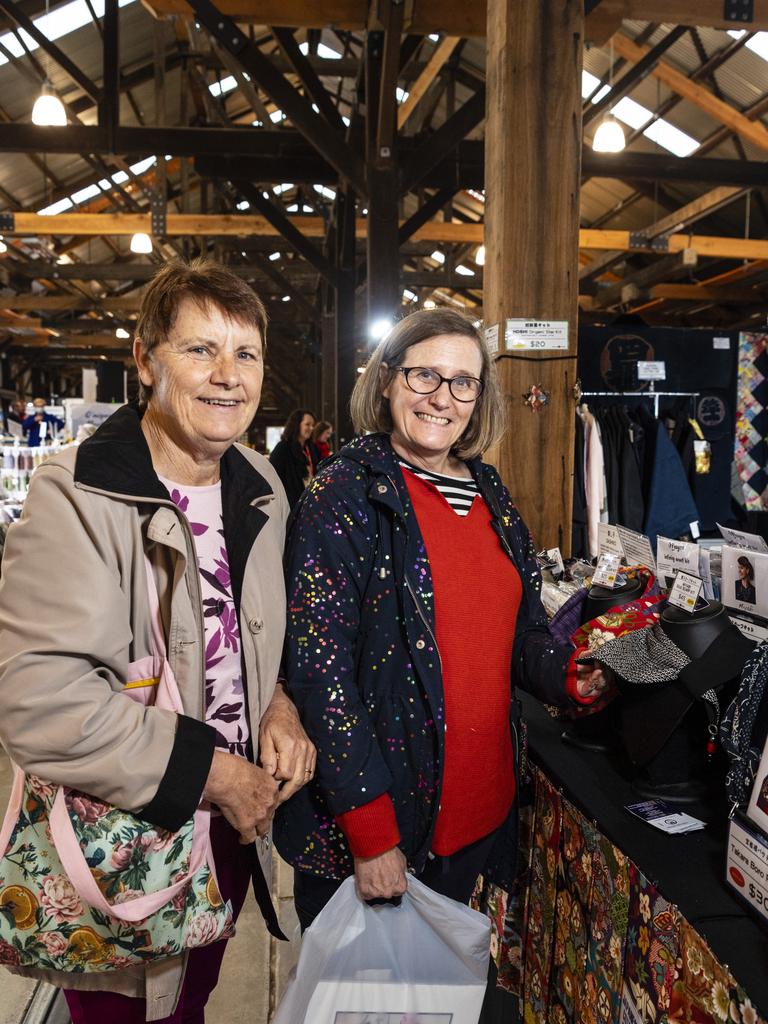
{"x":424,"y":381}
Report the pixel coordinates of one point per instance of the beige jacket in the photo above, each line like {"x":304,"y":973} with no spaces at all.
{"x":73,"y":617}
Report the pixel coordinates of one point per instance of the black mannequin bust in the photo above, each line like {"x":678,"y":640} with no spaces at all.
{"x":600,"y":599}
{"x":694,"y":632}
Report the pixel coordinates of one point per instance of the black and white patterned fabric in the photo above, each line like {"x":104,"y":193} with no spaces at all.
{"x":738,"y":735}
{"x":457,"y":491}
{"x":644,"y":657}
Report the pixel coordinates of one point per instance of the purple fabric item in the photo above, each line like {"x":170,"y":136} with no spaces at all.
{"x":567,"y":618}
{"x":233,"y":869}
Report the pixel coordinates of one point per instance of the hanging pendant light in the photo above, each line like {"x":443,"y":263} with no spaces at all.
{"x":141,"y":243}
{"x":609,"y":137}
{"x":48,"y":109}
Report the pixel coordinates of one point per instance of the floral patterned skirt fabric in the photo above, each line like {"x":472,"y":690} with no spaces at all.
{"x":600,"y":944}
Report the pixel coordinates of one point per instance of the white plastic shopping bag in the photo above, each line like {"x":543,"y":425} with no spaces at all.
{"x":424,"y":962}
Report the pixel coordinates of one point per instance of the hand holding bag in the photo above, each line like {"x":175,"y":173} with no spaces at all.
{"x":87,"y":887}
{"x":426,"y":959}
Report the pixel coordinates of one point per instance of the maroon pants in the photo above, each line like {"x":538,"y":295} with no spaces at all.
{"x":233,"y":869}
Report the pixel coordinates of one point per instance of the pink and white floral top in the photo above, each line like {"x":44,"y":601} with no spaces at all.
{"x":225,"y":706}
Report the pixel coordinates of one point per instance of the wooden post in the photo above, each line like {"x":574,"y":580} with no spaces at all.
{"x":532,"y":160}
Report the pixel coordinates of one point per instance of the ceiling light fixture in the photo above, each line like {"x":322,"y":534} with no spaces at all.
{"x":141,"y":243}
{"x":48,"y":110}
{"x":609,"y":137}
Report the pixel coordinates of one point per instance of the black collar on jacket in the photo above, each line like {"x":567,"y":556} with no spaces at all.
{"x":117,"y":459}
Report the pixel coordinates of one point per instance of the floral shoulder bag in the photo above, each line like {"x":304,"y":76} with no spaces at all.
{"x":85,"y":886}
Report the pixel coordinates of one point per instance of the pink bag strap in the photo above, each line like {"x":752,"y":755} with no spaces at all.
{"x":63,"y":834}
{"x":158,"y":636}
{"x":13,"y":809}
{"x":84,"y":884}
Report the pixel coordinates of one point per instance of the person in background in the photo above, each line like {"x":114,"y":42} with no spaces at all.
{"x":321,"y":441}
{"x":292,"y":457}
{"x":33,"y":425}
{"x":414,"y":611}
{"x":17,"y":413}
{"x":162,"y":480}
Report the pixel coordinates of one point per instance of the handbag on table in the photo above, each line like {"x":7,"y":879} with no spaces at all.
{"x":89,"y":887}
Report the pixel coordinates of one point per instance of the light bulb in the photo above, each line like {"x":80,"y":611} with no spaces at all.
{"x":48,"y":110}
{"x":3,"y":246}
{"x":380,"y":328}
{"x":609,"y":137}
{"x":141,"y":243}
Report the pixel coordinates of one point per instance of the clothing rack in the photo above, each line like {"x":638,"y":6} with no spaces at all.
{"x":655,"y":395}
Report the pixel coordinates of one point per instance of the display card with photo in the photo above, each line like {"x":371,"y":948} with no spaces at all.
{"x":745,"y":580}
{"x":758,"y":801}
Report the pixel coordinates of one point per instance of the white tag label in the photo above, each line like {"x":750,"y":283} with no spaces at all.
{"x":685,"y":592}
{"x":747,"y":865}
{"x":674,"y":555}
{"x":637,"y":548}
{"x":750,"y":541}
{"x":608,"y":540}
{"x":721,"y":343}
{"x":651,"y":370}
{"x":556,"y":558}
{"x":606,"y":572}
{"x":43,"y":429}
{"x":535,"y":334}
{"x":705,"y":572}
{"x":492,"y":338}
{"x":750,"y":629}
{"x":695,"y":531}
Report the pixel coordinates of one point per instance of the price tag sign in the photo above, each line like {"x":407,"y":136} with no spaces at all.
{"x":608,"y":540}
{"x":675,"y":556}
{"x":637,"y":548}
{"x":651,"y":370}
{"x":492,"y":338}
{"x":685,"y":592}
{"x":740,"y":539}
{"x":535,"y":335}
{"x":606,"y":572}
{"x":556,"y":559}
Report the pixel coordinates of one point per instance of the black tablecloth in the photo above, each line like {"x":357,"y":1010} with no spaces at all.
{"x":687,"y":869}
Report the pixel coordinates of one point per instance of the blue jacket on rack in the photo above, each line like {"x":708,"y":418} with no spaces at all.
{"x":362,"y":663}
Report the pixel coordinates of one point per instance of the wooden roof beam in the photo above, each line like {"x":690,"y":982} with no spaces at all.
{"x":751,"y":131}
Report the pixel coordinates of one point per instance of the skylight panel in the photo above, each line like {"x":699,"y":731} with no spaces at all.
{"x":225,"y":85}
{"x":276,"y":115}
{"x":465,"y":271}
{"x":438,"y":257}
{"x":671,"y":138}
{"x":633,"y":114}
{"x":54,"y":208}
{"x":142,"y":165}
{"x":327,"y":52}
{"x":244,"y":205}
{"x":89,"y":192}
{"x":120,"y":177}
{"x":401,"y":95}
{"x":758,"y":44}
{"x":56,"y":24}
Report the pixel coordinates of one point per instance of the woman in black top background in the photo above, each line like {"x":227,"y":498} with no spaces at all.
{"x":292,"y":457}
{"x":745,"y":584}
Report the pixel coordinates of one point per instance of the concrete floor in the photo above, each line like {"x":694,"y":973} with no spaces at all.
{"x":255,"y":967}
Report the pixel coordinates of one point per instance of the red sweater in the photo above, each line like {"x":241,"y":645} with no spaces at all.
{"x":477,"y":592}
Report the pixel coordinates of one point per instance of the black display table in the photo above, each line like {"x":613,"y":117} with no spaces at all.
{"x":687,"y":869}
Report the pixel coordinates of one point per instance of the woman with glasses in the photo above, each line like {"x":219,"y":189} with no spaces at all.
{"x":413,"y":611}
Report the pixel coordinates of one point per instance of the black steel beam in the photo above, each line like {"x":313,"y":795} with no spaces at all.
{"x":440,"y":279}
{"x":433,"y":205}
{"x":296,"y":107}
{"x":665,"y":167}
{"x":13,"y":11}
{"x":300,"y":64}
{"x":440,"y":144}
{"x":290,"y":233}
{"x":386,"y":122}
{"x":109,"y":108}
{"x":635,"y":74}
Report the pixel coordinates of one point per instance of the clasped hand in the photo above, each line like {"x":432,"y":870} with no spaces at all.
{"x":247,"y":794}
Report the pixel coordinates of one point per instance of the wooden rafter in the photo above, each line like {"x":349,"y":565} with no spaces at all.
{"x":428,"y":74}
{"x":751,"y":131}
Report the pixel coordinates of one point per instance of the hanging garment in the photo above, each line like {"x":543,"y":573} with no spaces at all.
{"x":631,"y":501}
{"x":579,"y":532}
{"x":595,"y":477}
{"x":671,"y":508}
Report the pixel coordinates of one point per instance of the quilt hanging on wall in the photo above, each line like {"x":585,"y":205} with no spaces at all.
{"x":750,"y":462}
